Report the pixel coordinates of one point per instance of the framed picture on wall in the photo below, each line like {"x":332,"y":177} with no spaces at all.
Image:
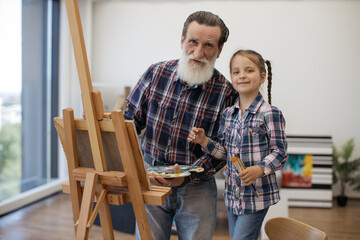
{"x":297,"y":172}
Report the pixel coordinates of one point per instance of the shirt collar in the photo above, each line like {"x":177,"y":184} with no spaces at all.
{"x":254,"y":106}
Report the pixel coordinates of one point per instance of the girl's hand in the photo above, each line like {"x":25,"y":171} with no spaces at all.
{"x":197,"y":135}
{"x":250,"y":174}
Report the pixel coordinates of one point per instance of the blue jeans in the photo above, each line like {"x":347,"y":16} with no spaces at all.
{"x":246,"y":227}
{"x":194,"y":209}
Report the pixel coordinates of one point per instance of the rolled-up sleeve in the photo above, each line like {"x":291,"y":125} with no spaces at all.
{"x":275,"y":124}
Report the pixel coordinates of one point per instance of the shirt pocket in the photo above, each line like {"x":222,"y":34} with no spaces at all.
{"x":159,"y":119}
{"x":256,"y":141}
{"x":161,"y":108}
{"x":256,"y":128}
{"x":255,"y":132}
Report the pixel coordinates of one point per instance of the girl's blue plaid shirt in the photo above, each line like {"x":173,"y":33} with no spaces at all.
{"x":258,"y":135}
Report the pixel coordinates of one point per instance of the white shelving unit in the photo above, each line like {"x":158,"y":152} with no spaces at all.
{"x":320,"y":192}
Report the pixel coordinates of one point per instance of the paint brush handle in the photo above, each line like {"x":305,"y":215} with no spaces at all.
{"x":254,"y":189}
{"x":240,"y":167}
{"x":198,"y":126}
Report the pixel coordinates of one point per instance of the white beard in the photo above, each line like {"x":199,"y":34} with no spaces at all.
{"x":194,"y":74}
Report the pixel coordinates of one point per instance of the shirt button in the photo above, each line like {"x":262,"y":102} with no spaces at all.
{"x":237,"y":192}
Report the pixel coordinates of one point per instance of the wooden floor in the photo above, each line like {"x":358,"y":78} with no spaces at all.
{"x":51,"y":218}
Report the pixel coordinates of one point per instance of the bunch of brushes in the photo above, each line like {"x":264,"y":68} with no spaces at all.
{"x":240,"y":167}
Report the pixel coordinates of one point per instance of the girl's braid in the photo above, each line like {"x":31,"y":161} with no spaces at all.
{"x":269,"y":73}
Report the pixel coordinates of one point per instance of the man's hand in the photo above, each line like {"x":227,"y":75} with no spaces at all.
{"x":197,"y":135}
{"x":168,"y":182}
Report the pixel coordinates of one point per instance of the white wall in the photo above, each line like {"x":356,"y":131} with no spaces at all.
{"x":314,"y":47}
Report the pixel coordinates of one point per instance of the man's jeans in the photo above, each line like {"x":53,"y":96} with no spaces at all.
{"x":246,"y":227}
{"x":194,"y":209}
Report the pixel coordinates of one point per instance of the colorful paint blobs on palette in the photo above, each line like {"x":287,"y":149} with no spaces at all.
{"x":168,"y":171}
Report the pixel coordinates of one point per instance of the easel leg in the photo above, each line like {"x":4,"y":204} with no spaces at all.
{"x":70,"y":148}
{"x":132,"y":175}
{"x":105,"y":218}
{"x":86,"y":205}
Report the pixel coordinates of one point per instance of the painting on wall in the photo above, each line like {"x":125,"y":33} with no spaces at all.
{"x":297,"y":171}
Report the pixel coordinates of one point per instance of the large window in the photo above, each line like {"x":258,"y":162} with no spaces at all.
{"x":28,"y":95}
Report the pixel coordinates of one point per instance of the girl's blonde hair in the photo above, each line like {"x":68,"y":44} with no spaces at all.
{"x":259,"y":62}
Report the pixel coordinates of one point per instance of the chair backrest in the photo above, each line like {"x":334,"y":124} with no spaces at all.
{"x":283,"y":228}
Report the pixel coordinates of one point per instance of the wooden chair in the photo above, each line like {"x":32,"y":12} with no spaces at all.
{"x":105,"y":163}
{"x":283,"y":228}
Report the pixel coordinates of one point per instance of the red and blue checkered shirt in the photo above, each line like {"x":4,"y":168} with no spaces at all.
{"x":167,"y":108}
{"x":258,"y":135}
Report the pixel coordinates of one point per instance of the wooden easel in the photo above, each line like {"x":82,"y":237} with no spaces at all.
{"x":127,"y":180}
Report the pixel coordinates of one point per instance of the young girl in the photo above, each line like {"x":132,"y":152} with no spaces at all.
{"x":255,"y":131}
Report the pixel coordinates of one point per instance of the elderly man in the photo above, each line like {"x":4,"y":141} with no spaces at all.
{"x":170,"y":98}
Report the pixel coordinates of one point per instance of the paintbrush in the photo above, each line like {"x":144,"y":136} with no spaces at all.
{"x":240,"y":167}
{"x":194,"y":136}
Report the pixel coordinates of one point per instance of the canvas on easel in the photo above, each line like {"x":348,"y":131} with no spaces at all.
{"x":105,"y":163}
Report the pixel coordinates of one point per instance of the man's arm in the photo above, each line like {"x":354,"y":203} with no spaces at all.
{"x":214,"y":158}
{"x":136,"y":107}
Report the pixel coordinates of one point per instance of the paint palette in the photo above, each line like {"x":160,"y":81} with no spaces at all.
{"x":168,"y":171}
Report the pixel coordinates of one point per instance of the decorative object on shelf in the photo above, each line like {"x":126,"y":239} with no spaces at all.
{"x":297,"y":172}
{"x":345,"y":170}
{"x":310,"y":156}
